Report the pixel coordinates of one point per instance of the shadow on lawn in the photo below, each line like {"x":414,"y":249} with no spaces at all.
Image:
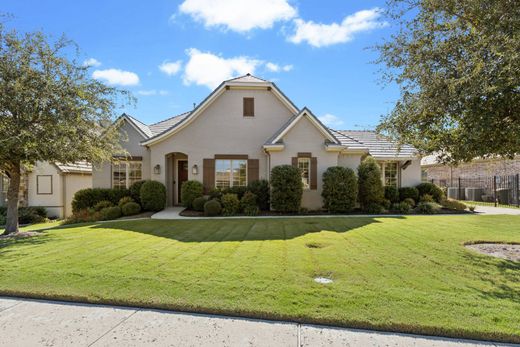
{"x":240,"y":229}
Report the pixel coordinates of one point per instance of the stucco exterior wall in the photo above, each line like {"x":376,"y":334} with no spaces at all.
{"x":411,"y":176}
{"x":222,"y":129}
{"x":73,"y":183}
{"x":351,"y":161}
{"x":102,"y":172}
{"x":304,"y":137}
{"x":53,"y":203}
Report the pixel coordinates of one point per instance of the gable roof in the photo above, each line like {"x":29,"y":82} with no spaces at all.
{"x":305,"y":112}
{"x":165,"y":125}
{"x":139,"y":126}
{"x":246,"y":81}
{"x":83,"y":167}
{"x":378,"y":145}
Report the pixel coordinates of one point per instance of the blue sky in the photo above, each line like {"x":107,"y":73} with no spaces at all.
{"x":170,"y":54}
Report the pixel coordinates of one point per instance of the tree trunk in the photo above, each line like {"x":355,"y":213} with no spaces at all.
{"x":11,"y":226}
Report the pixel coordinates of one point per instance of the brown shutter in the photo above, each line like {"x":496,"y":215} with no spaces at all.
{"x":295,"y":161}
{"x":253,"y":170}
{"x":314,"y":173}
{"x":208,"y":174}
{"x":249,"y":107}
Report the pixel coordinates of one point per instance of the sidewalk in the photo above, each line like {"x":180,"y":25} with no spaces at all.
{"x":25,"y":322}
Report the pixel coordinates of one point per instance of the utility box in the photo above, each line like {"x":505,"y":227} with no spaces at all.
{"x":453,"y":193}
{"x":503,"y":195}
{"x":473,"y":194}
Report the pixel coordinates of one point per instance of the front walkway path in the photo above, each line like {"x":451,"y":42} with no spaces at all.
{"x":497,"y":210}
{"x":26,"y":322}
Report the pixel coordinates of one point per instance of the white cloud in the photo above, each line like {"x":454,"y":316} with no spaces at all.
{"x":170,"y":68}
{"x":91,"y":62}
{"x":330,"y":120}
{"x":208,"y":69}
{"x":320,"y":35}
{"x":239,"y":15}
{"x":117,"y":77}
{"x":150,"y":92}
{"x":277,"y":68}
{"x":163,"y":92}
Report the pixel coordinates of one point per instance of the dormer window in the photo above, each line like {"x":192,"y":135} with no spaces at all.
{"x":249,"y":107}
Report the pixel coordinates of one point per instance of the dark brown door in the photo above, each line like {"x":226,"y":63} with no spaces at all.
{"x":182,"y":176}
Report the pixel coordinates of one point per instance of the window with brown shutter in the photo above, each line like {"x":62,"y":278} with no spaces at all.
{"x":249,"y":107}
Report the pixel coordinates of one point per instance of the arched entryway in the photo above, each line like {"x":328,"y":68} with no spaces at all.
{"x":176,"y":174}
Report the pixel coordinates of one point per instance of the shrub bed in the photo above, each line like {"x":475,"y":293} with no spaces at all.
{"x":191,"y":190}
{"x":198,"y":203}
{"x":248,"y":204}
{"x":340,"y":189}
{"x":261,"y":189}
{"x":87,"y":198}
{"x":109,"y":213}
{"x":392,"y":194}
{"x":286,"y":188}
{"x":212,"y":208}
{"x":408,"y":193}
{"x":130,"y":208}
{"x":230,"y":204}
{"x":431,"y":189}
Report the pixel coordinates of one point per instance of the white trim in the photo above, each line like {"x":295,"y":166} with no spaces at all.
{"x":127,"y":171}
{"x":334,"y":148}
{"x":274,"y":148}
{"x":231,"y":172}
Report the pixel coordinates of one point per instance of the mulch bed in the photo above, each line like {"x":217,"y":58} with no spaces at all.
{"x":499,"y":250}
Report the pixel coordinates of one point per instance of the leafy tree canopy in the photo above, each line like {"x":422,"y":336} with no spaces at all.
{"x":457,"y":63}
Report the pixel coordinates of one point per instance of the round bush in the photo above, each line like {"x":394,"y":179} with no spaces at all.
{"x":431,"y":189}
{"x":286,"y":188}
{"x":340,"y":189}
{"x":386,"y":204}
{"x":153,"y":196}
{"x":428,"y":207}
{"x":130,"y":208}
{"x":261,"y":189}
{"x":230,"y":204}
{"x":248,"y":202}
{"x":109,"y":213}
{"x":212,"y":208}
{"x":215,"y":193}
{"x":408,"y":192}
{"x":102,"y":204}
{"x":371,"y":191}
{"x":124,"y":200}
{"x":392,"y":194}
{"x":374,"y":208}
{"x":87,"y":198}
{"x":410,"y":202}
{"x":238,"y":190}
{"x":454,"y":205}
{"x":198,"y":203}
{"x":191,"y":190}
{"x":427,"y":198}
{"x":401,"y":207}
{"x":135,"y":191}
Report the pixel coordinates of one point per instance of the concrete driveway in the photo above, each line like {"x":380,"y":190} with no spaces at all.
{"x":49,"y":323}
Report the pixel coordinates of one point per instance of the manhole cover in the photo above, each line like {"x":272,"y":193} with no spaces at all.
{"x":323,"y":280}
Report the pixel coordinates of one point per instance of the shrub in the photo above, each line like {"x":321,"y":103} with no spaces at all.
{"x":212,"y":208}
{"x":408,"y":193}
{"x":392,"y":194}
{"x":472,"y":208}
{"x":124,"y":200}
{"x":261,"y":189}
{"x":153,"y":196}
{"x":230,"y":204}
{"x":215,"y":193}
{"x":453,"y":205}
{"x":428,"y":207}
{"x":339,"y":189}
{"x":386,"y":204}
{"x":198,"y":203}
{"x":191,"y":190}
{"x":86,"y":198}
{"x":410,"y":202}
{"x":130,"y":208}
{"x":29,"y":215}
{"x":102,"y":204}
{"x":135,"y":191}
{"x":109,"y":213}
{"x":426,"y":198}
{"x":401,"y":207}
{"x":83,"y":216}
{"x":286,"y":188}
{"x":371,"y":190}
{"x":374,"y":208}
{"x":3,"y":220}
{"x":248,"y":204}
{"x":431,"y":189}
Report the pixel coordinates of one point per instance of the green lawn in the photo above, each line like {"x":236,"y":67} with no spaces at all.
{"x":409,"y":274}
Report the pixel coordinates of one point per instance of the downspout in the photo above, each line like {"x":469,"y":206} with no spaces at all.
{"x":268,"y":166}
{"x":64,"y":195}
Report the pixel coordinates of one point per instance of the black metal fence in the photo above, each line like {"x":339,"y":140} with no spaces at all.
{"x":497,"y":190}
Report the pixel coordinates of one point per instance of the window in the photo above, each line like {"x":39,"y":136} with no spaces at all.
{"x":249,"y":107}
{"x":230,"y":173}
{"x":390,"y":173}
{"x":125,"y":173}
{"x":304,"y":164}
{"x":5,"y":184}
{"x":44,"y":184}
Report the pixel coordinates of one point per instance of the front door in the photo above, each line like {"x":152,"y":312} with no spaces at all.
{"x":182,"y":176}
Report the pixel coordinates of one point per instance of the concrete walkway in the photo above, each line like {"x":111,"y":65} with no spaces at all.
{"x":497,"y":210}
{"x":26,"y":322}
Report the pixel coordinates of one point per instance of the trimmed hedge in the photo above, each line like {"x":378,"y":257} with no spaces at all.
{"x":410,"y":202}
{"x":153,"y":196}
{"x":238,"y":190}
{"x":230,"y":204}
{"x":401,"y":207}
{"x":248,"y":204}
{"x":109,"y":213}
{"x":428,"y":207}
{"x":212,"y":208}
{"x":430,"y":189}
{"x":130,"y":208}
{"x":286,"y":188}
{"x":198,"y":203}
{"x":261,"y":189}
{"x":102,"y":204}
{"x":124,"y":200}
{"x":392,"y":194}
{"x":135,"y":191}
{"x":87,"y":198}
{"x":408,"y":193}
{"x":340,"y":189}
{"x":190,"y":190}
{"x":371,"y":191}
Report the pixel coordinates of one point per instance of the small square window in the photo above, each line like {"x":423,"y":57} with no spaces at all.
{"x":44,"y":184}
{"x":249,"y":107}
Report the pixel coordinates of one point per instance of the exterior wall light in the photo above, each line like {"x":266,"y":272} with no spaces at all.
{"x":157,"y":169}
{"x":195,"y":170}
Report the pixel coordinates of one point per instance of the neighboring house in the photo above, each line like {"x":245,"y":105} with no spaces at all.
{"x":244,"y":128}
{"x":447,"y":175}
{"x":51,"y":185}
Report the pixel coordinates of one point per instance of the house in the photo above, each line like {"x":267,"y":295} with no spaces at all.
{"x":50,"y":185}
{"x":243,"y":129}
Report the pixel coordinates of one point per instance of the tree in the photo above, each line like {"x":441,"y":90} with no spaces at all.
{"x":457,"y":63}
{"x":50,"y":109}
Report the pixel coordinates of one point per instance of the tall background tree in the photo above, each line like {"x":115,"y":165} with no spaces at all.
{"x":457,"y":63}
{"x":50,"y":109}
